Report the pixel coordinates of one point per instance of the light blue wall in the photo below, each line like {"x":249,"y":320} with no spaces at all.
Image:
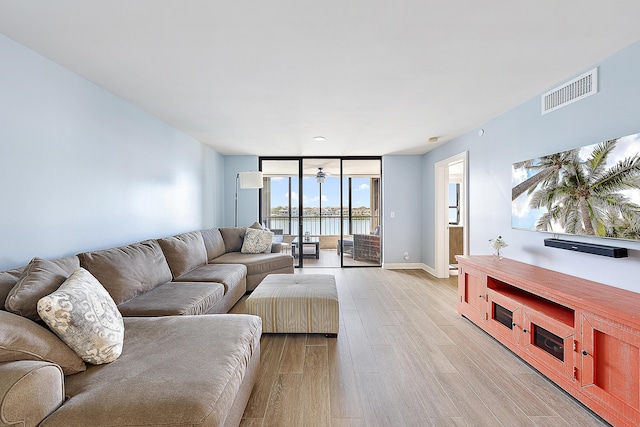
{"x":213,"y":190}
{"x":402,"y":185}
{"x":81,"y":169}
{"x":248,"y":199}
{"x":523,"y":133}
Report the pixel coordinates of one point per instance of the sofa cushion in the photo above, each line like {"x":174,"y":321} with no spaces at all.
{"x":227,"y":274}
{"x":184,"y":252}
{"x":175,"y":298}
{"x":213,"y":242}
{"x":173,"y":371}
{"x":128,"y":271}
{"x":256,"y":263}
{"x":256,"y":241}
{"x":68,"y":264}
{"x":82,"y":313}
{"x":23,"y":339}
{"x":233,"y":237}
{"x":9,"y":278}
{"x":39,"y":278}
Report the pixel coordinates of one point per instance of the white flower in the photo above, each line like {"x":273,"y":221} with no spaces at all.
{"x":497,"y":243}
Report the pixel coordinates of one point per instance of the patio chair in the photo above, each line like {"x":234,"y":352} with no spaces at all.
{"x":366,"y":247}
{"x":277,"y":235}
{"x":345,"y":245}
{"x":286,"y":242}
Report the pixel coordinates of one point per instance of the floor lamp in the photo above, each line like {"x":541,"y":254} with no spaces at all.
{"x":247,"y":180}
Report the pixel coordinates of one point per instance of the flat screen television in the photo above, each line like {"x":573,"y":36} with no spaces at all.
{"x":590,"y":191}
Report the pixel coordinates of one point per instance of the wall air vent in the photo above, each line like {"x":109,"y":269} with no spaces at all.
{"x":572,"y":91}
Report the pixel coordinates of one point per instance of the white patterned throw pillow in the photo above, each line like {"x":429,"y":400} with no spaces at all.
{"x":256,"y":241}
{"x":82,"y":313}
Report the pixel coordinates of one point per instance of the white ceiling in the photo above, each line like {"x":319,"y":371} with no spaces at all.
{"x":374,"y":77}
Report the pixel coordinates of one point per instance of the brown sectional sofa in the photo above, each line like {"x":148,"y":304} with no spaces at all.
{"x":178,"y":367}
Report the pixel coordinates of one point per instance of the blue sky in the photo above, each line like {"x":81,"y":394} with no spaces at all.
{"x":330,"y":192}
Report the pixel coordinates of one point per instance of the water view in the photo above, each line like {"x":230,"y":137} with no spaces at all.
{"x":321,"y":225}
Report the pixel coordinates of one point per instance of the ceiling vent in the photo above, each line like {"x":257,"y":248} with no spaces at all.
{"x":572,"y":91}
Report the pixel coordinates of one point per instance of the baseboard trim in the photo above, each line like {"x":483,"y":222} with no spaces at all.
{"x":410,"y":266}
{"x":430,"y":270}
{"x":406,"y":266}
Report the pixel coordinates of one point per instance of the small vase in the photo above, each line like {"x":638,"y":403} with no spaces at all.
{"x":497,"y":254}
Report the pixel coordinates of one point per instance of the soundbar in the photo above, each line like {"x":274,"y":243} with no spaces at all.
{"x":590,"y":248}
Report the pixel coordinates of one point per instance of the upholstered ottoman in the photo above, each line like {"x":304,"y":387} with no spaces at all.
{"x":296,"y":303}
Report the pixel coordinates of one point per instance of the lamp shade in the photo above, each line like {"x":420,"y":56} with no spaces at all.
{"x":250,"y":179}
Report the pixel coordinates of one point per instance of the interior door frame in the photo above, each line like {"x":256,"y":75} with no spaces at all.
{"x":442,"y":208}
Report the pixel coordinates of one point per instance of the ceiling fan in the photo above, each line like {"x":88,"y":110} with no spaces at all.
{"x":321,"y":176}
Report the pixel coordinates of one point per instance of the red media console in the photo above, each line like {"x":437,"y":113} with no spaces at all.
{"x":582,"y":335}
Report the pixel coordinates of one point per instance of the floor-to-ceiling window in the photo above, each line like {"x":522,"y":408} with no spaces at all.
{"x":279,"y":203}
{"x":361,"y":206}
{"x":325,"y":210}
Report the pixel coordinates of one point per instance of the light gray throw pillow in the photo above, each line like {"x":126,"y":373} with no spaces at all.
{"x":82,"y":313}
{"x":256,"y":241}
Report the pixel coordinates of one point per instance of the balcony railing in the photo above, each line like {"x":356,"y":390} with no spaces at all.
{"x":321,"y":225}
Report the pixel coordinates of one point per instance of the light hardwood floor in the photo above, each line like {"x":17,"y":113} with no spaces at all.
{"x":403,"y":357}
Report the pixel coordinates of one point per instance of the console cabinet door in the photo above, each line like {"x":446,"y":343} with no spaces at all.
{"x":549,"y":341}
{"x":472,"y":286}
{"x":505,"y":320}
{"x":611,"y":365}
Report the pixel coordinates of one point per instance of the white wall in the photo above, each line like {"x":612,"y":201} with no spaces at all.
{"x":81,"y":169}
{"x":523,"y":133}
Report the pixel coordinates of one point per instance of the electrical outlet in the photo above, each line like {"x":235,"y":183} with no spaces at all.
{"x":406,"y":255}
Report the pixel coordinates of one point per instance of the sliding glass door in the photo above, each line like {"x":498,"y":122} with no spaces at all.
{"x":325,"y":211}
{"x":361,"y":236}
{"x":279,"y":209}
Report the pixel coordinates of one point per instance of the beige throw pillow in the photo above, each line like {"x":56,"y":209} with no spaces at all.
{"x":82,"y":313}
{"x":40,"y":278}
{"x":256,"y":241}
{"x":23,"y":339}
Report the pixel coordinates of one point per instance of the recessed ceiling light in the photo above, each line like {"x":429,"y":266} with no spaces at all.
{"x":319,"y":138}
{"x":433,"y":139}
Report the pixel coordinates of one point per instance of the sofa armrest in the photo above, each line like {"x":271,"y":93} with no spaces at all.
{"x":276,"y":247}
{"x":29,"y":391}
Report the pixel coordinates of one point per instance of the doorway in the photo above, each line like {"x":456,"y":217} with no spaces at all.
{"x":324,"y":210}
{"x":452,"y":229}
